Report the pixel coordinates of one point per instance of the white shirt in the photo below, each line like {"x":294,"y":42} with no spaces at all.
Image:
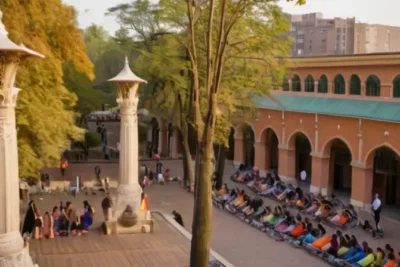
{"x":303,"y":175}
{"x":376,"y":204}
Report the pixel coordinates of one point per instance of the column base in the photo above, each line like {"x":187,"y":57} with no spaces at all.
{"x":324,"y":191}
{"x":127,"y":194}
{"x":13,"y":253}
{"x":145,"y":224}
{"x":360,"y":204}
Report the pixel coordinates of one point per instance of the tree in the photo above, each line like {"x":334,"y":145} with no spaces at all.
{"x":89,"y":100}
{"x":247,"y":33}
{"x":232,"y":50}
{"x":45,"y":109}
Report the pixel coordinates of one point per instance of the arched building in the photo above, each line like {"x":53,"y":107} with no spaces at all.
{"x":337,"y":118}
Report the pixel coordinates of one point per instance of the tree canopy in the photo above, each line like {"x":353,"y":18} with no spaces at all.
{"x":45,"y":108}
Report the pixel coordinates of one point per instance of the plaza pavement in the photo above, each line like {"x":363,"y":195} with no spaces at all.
{"x":239,"y":243}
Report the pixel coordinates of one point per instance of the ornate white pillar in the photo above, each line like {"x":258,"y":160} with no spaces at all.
{"x":13,"y":252}
{"x":129,"y":191}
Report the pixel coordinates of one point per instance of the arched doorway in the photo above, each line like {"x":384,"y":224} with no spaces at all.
{"x":155,"y":137}
{"x":300,"y":142}
{"x":340,"y":169}
{"x":248,"y":146}
{"x":231,"y":142}
{"x":270,"y":161}
{"x":386,"y":174}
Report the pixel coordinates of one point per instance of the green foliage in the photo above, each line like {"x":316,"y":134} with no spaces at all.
{"x":92,"y":139}
{"x":77,"y":82}
{"x":45,"y":109}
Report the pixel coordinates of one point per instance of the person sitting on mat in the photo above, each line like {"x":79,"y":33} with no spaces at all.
{"x":391,"y":262}
{"x":368,"y":260}
{"x":360,"y":254}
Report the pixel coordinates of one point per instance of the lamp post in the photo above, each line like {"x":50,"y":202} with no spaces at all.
{"x":12,"y":249}
{"x":129,"y":191}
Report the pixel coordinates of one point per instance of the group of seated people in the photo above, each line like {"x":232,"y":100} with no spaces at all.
{"x":337,"y":248}
{"x":63,"y":221}
{"x":314,"y":205}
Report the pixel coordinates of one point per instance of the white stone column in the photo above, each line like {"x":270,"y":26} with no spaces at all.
{"x":13,"y":253}
{"x":129,"y":191}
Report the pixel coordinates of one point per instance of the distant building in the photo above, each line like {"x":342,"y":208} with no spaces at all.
{"x":315,"y":36}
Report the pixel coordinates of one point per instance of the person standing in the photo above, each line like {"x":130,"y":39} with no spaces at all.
{"x":63,"y":167}
{"x":106,"y":204}
{"x":377,"y":209}
{"x":303,"y":175}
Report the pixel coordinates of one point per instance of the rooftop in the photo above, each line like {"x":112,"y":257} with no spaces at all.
{"x":369,"y":109}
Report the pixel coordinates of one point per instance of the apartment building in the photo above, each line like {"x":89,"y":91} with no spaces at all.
{"x":315,"y":36}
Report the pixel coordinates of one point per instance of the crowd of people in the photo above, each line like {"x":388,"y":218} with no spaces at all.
{"x":298,"y":229}
{"x":337,"y":248}
{"x":64,"y":220}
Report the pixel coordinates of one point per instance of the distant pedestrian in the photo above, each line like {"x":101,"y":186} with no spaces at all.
{"x":303,"y":175}
{"x":178,"y":218}
{"x":377,"y":209}
{"x":106,"y":204}
{"x":97,"y":171}
{"x":63,"y":167}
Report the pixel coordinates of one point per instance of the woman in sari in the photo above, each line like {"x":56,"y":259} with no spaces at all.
{"x":87,"y":217}
{"x":29,"y":221}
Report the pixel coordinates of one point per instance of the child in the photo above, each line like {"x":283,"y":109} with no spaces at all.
{"x":76,"y":226}
{"x":56,"y":218}
{"x":38,"y":225}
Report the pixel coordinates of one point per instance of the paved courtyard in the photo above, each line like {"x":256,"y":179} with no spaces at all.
{"x":239,"y":243}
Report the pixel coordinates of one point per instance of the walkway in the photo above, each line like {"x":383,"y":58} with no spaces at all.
{"x":165,"y":247}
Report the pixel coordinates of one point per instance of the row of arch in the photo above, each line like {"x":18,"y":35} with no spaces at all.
{"x":383,"y":159}
{"x":249,"y":133}
{"x":372,"y":85}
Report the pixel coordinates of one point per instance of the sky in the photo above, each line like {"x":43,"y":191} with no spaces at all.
{"x":369,"y":11}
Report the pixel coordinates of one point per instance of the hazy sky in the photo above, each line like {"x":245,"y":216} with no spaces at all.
{"x":370,"y":11}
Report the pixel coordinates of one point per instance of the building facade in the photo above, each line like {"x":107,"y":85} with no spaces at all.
{"x":338,"y":119}
{"x":315,"y":36}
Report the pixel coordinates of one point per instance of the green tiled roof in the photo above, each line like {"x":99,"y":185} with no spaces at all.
{"x":376,"y":110}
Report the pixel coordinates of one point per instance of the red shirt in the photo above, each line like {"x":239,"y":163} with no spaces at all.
{"x":334,"y":243}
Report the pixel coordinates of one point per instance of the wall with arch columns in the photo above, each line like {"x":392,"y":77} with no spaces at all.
{"x":361,"y":136}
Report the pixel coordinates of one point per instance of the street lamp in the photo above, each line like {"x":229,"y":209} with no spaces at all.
{"x":129,"y":191}
{"x":12,"y":249}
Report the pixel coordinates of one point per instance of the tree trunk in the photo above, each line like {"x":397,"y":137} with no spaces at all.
{"x":202,"y":216}
{"x":221,"y":166}
{"x":187,"y":158}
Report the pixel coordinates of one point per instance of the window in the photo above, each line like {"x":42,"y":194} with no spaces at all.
{"x":344,"y":30}
{"x":373,"y":86}
{"x":285,"y":86}
{"x":300,"y":41}
{"x":296,"y":84}
{"x":355,"y":85}
{"x":339,"y":85}
{"x":323,"y":84}
{"x":299,"y":51}
{"x":309,"y":84}
{"x":396,"y":87}
{"x":339,"y":30}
